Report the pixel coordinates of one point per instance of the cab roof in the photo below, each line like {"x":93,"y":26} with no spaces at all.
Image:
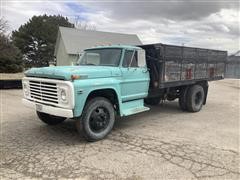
{"x":115,"y":46}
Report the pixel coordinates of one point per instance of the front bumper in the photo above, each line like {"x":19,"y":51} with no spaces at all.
{"x":48,"y":109}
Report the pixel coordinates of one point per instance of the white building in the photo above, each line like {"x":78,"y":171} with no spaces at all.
{"x":233,"y":66}
{"x":70,"y":42}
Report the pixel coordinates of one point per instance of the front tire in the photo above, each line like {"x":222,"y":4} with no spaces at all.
{"x":50,"y":119}
{"x":97,"y":119}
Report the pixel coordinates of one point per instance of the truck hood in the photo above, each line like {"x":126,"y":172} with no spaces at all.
{"x":65,"y":72}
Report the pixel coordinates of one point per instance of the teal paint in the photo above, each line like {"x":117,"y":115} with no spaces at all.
{"x":133,"y":107}
{"x":134,"y":82}
{"x":129,"y":83}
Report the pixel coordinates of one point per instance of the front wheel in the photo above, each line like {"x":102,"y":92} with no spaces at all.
{"x":50,"y":119}
{"x":97,"y":119}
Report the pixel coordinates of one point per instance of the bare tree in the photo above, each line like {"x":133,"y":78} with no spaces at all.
{"x":79,"y":24}
{"x":3,"y":25}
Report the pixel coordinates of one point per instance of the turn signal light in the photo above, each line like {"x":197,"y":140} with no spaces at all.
{"x":74,"y":77}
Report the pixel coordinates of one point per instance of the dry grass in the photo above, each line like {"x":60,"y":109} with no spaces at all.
{"x":7,"y":76}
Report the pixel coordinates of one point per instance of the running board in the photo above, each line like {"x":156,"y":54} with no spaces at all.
{"x":133,"y":107}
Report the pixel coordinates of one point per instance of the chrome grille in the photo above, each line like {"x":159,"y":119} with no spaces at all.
{"x":43,"y":91}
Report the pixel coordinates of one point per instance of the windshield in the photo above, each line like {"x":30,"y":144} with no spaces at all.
{"x":101,"y":57}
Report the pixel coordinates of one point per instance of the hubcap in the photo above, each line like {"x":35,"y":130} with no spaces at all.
{"x":198,"y":98}
{"x":99,"y":119}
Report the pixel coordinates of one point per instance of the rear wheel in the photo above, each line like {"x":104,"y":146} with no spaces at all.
{"x":183,"y":99}
{"x":152,"y":101}
{"x":195,"y":98}
{"x":50,"y":119}
{"x":97,"y":119}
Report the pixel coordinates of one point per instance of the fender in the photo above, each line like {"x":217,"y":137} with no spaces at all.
{"x":83,"y":88}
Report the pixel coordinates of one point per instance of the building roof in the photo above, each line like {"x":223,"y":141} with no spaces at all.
{"x":76,"y":40}
{"x":234,"y":58}
{"x":236,"y":53}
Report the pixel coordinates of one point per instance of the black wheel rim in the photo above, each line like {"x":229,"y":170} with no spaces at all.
{"x":99,"y":119}
{"x":198,"y":98}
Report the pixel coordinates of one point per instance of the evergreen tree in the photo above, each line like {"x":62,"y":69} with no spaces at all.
{"x":36,"y":39}
{"x":10,"y":55}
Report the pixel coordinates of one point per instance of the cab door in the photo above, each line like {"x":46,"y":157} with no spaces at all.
{"x":135,"y":76}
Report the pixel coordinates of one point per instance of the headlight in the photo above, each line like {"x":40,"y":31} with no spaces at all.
{"x":63,"y":94}
{"x":25,"y":89}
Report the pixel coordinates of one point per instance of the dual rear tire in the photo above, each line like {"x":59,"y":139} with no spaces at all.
{"x":192,"y":98}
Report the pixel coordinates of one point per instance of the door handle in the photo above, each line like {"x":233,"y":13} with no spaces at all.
{"x":145,"y":70}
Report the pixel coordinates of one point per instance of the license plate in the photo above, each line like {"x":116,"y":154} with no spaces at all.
{"x":38,"y":107}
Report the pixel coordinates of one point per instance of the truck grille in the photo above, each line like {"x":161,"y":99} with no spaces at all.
{"x":43,"y":91}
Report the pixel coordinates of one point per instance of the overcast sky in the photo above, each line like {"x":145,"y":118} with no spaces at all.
{"x":200,"y":23}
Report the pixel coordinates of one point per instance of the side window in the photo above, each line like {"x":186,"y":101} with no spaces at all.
{"x":127,"y":59}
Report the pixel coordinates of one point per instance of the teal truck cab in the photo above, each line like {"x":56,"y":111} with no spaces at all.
{"x":111,"y":81}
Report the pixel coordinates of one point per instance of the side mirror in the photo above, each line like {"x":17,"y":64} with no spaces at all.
{"x":78,"y":58}
{"x":141,"y":58}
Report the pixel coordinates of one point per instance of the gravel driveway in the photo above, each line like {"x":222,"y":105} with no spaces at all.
{"x":163,"y":143}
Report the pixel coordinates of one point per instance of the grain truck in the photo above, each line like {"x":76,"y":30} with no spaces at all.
{"x":121,"y":80}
